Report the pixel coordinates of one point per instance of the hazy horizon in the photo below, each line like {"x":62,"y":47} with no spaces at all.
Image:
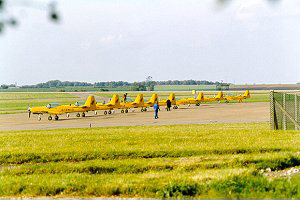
{"x":249,"y":41}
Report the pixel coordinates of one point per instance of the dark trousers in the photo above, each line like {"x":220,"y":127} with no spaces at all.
{"x":155,"y":114}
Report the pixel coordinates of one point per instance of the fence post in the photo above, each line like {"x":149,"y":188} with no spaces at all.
{"x":284,"y":124}
{"x":272,"y":111}
{"x":296,"y":111}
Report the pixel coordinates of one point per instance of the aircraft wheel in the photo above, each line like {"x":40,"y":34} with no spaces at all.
{"x":77,"y":115}
{"x":96,"y":112}
{"x":39,"y":118}
{"x":122,"y":111}
{"x":105,"y":112}
{"x":145,"y":109}
{"x":175,"y":107}
{"x":126,"y":111}
{"x":142,"y":110}
{"x":109,"y":112}
{"x":56,"y":117}
{"x":49,"y":118}
{"x":68,"y":115}
{"x":83,"y":114}
{"x":198,"y":104}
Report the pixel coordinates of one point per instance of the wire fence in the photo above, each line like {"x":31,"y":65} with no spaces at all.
{"x":284,"y":111}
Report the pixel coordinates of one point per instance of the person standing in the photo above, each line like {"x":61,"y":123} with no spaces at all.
{"x":156,"y":109}
{"x":169,"y":105}
{"x":125,"y":97}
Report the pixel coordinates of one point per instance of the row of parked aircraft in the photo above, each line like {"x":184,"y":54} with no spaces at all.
{"x":54,"y":109}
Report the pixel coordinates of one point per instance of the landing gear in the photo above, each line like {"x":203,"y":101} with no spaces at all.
{"x":83,"y":114}
{"x":78,"y":115}
{"x":175,"y":107}
{"x":197,"y":104}
{"x":49,"y":118}
{"x":39,"y":118}
{"x":126,"y":111}
{"x":56,"y":117}
{"x":122,"y":111}
{"x":105,"y":112}
{"x":68,"y":115}
{"x":143,"y":109}
{"x":96,"y":112}
{"x":109,"y":112}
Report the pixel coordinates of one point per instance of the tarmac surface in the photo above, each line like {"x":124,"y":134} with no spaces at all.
{"x":203,"y":114}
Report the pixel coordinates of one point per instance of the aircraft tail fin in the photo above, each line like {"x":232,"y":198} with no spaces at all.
{"x":200,"y":96}
{"x":247,"y":94}
{"x":114,"y":100}
{"x":139,"y":99}
{"x":172,"y":98}
{"x":219,"y":95}
{"x":154,"y":98}
{"x":90,"y":102}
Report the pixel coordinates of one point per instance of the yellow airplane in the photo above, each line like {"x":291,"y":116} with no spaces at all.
{"x":188,"y":101}
{"x":113,"y":104}
{"x":239,"y":98}
{"x":171,"y":98}
{"x":56,"y":109}
{"x":219,"y":97}
{"x":116,"y":104}
{"x":201,"y":98}
{"x":151,"y":102}
{"x":137,"y":103}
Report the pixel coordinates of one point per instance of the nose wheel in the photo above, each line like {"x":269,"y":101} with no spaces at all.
{"x":50,"y":118}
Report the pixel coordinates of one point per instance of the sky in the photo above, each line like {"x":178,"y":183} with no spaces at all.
{"x":241,"y":42}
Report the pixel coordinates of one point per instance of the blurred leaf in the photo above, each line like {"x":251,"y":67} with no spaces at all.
{"x":54,"y":16}
{"x":1,"y":4}
{"x":1,"y":27}
{"x":12,"y":21}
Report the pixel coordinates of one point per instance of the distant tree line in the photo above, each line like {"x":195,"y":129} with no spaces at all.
{"x":7,"y":86}
{"x":58,"y":83}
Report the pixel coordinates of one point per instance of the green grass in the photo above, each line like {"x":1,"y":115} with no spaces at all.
{"x":31,"y":95}
{"x":13,"y":102}
{"x":220,"y":160}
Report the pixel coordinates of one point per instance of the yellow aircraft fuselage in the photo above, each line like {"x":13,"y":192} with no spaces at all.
{"x":238,"y":98}
{"x":55,"y":109}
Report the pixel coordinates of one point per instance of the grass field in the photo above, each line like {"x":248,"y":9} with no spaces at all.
{"x":220,"y":160}
{"x":17,"y":102}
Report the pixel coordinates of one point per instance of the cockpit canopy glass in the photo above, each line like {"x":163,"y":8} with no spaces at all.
{"x":80,"y":103}
{"x":52,"y":105}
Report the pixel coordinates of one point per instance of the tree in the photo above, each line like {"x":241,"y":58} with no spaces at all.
{"x":150,"y":83}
